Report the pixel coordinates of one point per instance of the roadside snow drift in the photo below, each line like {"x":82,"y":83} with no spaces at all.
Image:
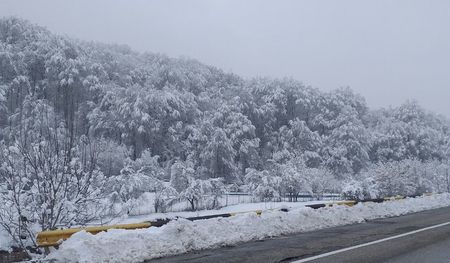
{"x":182,"y":236}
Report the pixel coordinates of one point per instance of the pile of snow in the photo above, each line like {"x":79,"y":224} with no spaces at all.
{"x":245,"y":207}
{"x":182,"y":236}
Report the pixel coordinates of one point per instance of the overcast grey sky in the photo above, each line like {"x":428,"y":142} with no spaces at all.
{"x":388,"y":51}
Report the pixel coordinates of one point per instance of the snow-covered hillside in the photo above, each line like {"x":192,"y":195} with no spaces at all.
{"x":89,"y":132}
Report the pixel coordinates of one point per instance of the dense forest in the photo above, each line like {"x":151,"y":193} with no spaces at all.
{"x":84,"y":122}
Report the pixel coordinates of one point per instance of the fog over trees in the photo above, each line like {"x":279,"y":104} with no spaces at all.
{"x":87,"y":124}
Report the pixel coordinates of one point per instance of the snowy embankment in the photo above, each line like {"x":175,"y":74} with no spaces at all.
{"x":239,"y":208}
{"x":182,"y":236}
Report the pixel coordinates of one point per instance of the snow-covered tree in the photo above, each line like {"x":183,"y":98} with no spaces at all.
{"x":346,"y":148}
{"x":47,"y":179}
{"x":262,"y":185}
{"x":218,"y":156}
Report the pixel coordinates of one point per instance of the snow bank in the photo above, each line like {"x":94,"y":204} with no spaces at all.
{"x":182,"y":236}
{"x":245,"y":207}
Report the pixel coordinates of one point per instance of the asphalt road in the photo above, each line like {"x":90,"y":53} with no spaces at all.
{"x":431,"y":246}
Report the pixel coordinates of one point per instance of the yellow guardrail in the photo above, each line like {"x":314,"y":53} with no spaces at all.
{"x":393,"y":198}
{"x":258,"y":212}
{"x":55,"y":237}
{"x":347,"y":203}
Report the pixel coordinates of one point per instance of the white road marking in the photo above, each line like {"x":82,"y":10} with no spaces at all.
{"x":370,"y":243}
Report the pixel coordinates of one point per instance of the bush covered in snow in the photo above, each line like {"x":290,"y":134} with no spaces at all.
{"x":407,"y":178}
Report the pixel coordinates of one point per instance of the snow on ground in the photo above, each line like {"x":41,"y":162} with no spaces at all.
{"x":182,"y":236}
{"x":228,"y":209}
{"x":143,"y":205}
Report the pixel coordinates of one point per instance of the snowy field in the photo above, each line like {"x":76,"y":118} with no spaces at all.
{"x":143,"y":205}
{"x":237,"y":208}
{"x":182,"y":236}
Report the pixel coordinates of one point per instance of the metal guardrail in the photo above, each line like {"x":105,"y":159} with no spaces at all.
{"x":56,"y":237}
